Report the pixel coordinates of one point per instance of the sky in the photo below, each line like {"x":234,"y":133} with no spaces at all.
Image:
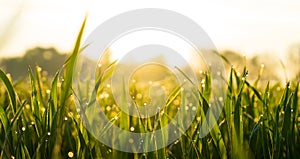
{"x":248,"y":27}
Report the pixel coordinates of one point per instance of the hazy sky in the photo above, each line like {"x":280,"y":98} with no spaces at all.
{"x":249,"y":27}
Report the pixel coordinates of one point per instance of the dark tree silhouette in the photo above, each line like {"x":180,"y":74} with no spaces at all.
{"x":49,"y":59}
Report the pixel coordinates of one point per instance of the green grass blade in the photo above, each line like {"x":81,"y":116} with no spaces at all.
{"x":10,"y":90}
{"x":69,"y":68}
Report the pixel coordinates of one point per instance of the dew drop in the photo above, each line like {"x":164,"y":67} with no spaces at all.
{"x":131,"y":140}
{"x":27,"y":106}
{"x":194,"y":108}
{"x":108,"y":108}
{"x":203,"y":81}
{"x":221,"y":99}
{"x":132,"y":128}
{"x":261,"y":115}
{"x":176,"y":102}
{"x":176,"y":142}
{"x":186,"y":108}
{"x":71,"y":154}
{"x":39,"y":69}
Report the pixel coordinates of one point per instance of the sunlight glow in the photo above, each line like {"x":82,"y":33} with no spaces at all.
{"x":251,"y":26}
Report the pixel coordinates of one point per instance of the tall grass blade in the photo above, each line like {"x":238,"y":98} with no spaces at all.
{"x":10,"y":90}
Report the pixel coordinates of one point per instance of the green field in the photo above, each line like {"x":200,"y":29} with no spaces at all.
{"x":39,"y":119}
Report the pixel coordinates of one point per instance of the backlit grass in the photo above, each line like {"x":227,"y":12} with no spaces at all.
{"x":39,"y":119}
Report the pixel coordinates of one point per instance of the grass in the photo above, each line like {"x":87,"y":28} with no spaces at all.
{"x":39,"y":119}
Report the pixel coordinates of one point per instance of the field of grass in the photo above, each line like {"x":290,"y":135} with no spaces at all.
{"x":39,"y":119}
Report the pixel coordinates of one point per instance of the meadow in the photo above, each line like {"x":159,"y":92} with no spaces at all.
{"x":39,"y":118}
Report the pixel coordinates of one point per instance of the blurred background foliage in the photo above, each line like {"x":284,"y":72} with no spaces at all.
{"x":50,"y":59}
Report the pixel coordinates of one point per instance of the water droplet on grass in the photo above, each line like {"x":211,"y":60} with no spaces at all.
{"x":108,"y":108}
{"x":194,"y":108}
{"x":176,"y":142}
{"x":186,"y":108}
{"x":71,"y":154}
{"x":132,"y":128}
{"x":261,"y":115}
{"x":221,"y":99}
{"x":131,"y":140}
